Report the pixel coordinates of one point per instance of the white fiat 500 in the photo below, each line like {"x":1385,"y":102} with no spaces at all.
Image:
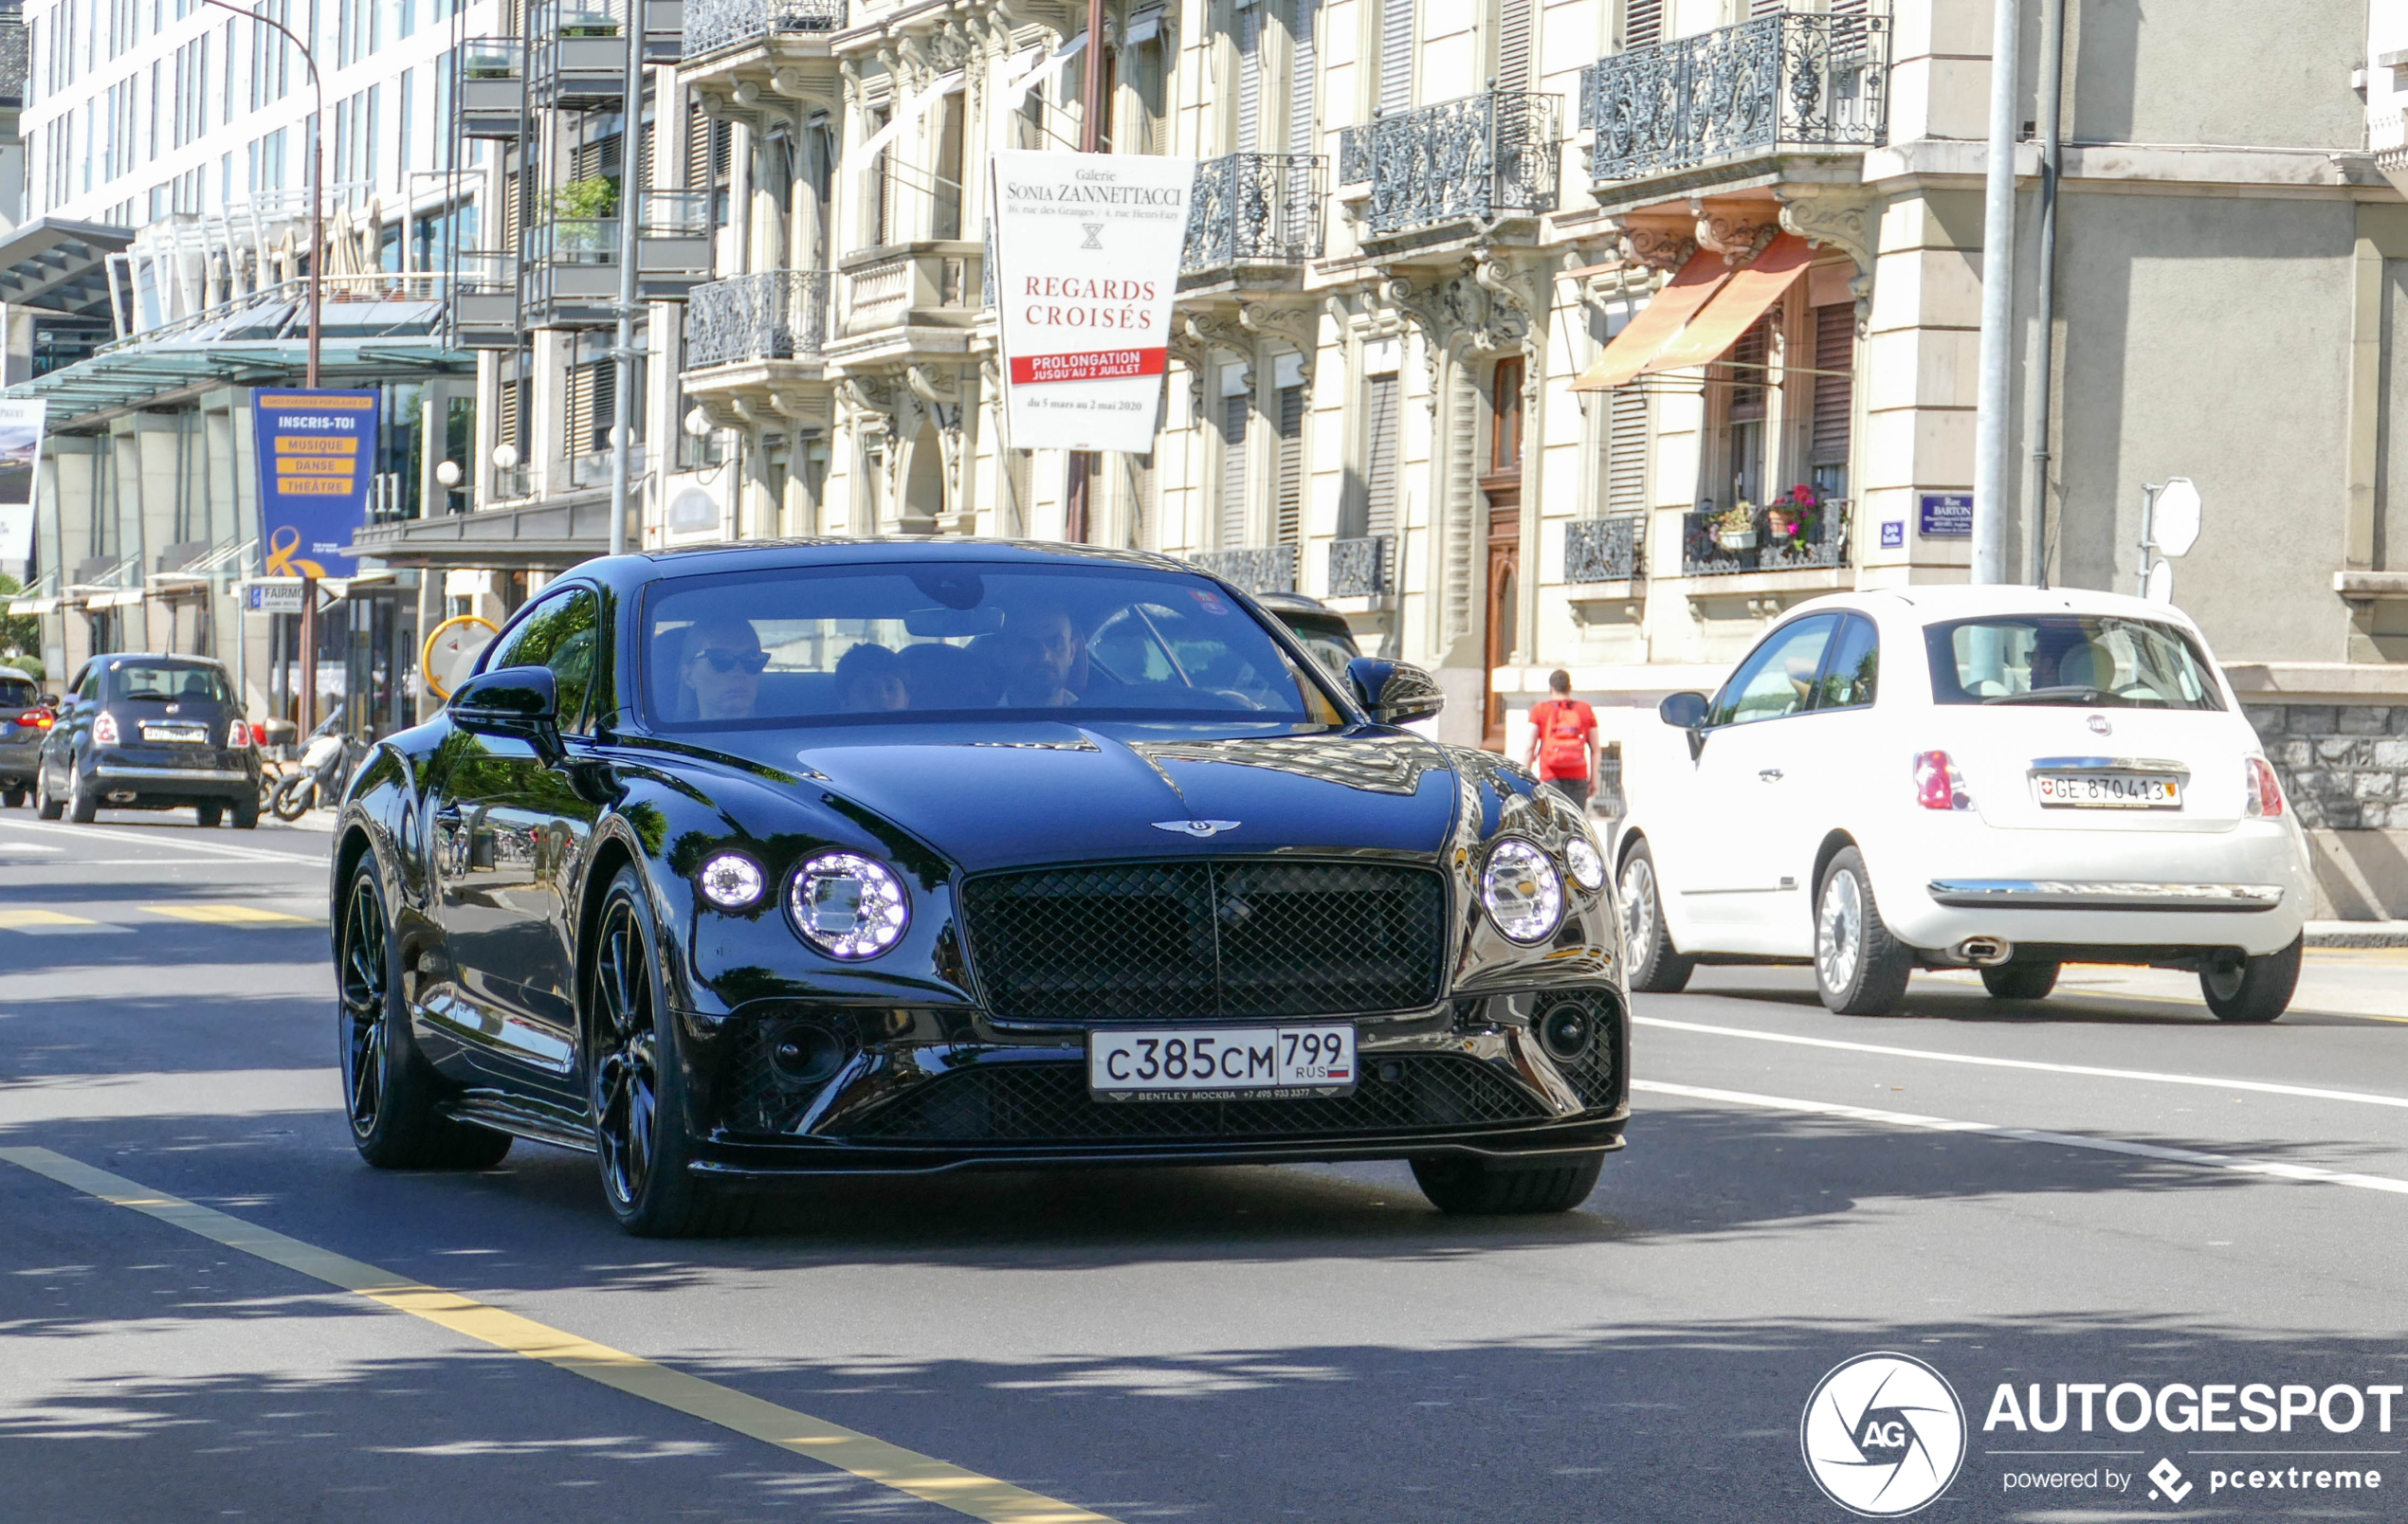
{"x":2002,"y":778}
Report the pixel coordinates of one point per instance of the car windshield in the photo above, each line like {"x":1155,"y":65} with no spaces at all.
{"x":169,"y":681}
{"x":2076,"y":660}
{"x":18,"y":692}
{"x":963,"y":641}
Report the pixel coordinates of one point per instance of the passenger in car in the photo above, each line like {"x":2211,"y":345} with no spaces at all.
{"x":870,"y":679}
{"x":1044,"y":659}
{"x":721,"y":669}
{"x":938,"y":676}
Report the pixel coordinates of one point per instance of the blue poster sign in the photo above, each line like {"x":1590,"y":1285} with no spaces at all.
{"x":1947,"y":515}
{"x":1893,"y":534}
{"x":316,"y":462}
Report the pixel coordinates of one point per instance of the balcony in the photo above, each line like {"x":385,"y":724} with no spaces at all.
{"x":1813,"y":539}
{"x":1264,"y":569}
{"x":573,"y":263}
{"x":910,"y":301}
{"x":485,"y":301}
{"x":1477,"y":159}
{"x":713,"y":25}
{"x":1358,"y":568}
{"x":1604,"y":550}
{"x":493,"y":85}
{"x":1254,"y":208}
{"x":1788,"y":83}
{"x":774,"y":315}
{"x":578,"y":57}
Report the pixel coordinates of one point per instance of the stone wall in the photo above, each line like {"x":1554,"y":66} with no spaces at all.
{"x":2343,"y":766}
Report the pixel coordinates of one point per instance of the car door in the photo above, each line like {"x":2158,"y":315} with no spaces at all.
{"x":68,"y":736}
{"x":507,"y":830}
{"x":1750,"y":813}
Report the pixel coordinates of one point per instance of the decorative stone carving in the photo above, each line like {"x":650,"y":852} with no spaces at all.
{"x":1843,"y":221}
{"x":1733,"y":235}
{"x":1658,"y":245}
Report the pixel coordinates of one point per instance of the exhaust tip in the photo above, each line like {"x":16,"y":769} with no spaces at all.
{"x":1985,"y":952}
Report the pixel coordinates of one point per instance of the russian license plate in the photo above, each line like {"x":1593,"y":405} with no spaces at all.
{"x":1221,"y":1063}
{"x":182,"y":735}
{"x":2107,"y":790}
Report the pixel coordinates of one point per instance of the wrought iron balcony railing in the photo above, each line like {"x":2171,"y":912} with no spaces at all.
{"x":1604,"y":550}
{"x":1264,"y":568}
{"x":14,"y":58}
{"x":711,"y":24}
{"x":774,"y":315}
{"x":1780,"y":538}
{"x":1254,"y":208}
{"x":1354,"y":154}
{"x":1789,"y":80}
{"x":1480,"y":158}
{"x":1358,"y":568}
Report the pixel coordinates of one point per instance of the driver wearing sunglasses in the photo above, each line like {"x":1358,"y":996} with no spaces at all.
{"x":723,"y":668}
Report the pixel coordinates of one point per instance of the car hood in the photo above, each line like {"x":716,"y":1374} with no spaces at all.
{"x":1011,"y":795}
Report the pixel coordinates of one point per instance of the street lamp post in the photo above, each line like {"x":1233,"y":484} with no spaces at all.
{"x":316,"y":265}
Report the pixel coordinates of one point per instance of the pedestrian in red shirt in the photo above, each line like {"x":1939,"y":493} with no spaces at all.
{"x":1563,"y":741}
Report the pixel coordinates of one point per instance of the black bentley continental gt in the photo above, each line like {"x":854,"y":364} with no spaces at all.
{"x":742,"y":866}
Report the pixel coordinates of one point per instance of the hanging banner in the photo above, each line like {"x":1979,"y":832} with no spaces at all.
{"x":1086,"y":249}
{"x":316,"y":463}
{"x":20,"y":465}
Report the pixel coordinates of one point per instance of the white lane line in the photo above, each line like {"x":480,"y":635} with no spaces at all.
{"x":2275,"y":1168}
{"x":2208,"y":1082}
{"x":176,"y":843}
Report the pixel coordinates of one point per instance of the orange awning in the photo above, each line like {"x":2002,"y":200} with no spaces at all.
{"x":1657,"y":324}
{"x":1746,"y":297}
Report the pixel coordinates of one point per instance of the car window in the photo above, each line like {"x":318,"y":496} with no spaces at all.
{"x":1850,"y":671}
{"x":2069,"y":660}
{"x":16,"y":693}
{"x":1777,"y":678}
{"x":563,"y":632}
{"x":90,"y":687}
{"x":858,"y":642}
{"x":168,"y":682}
{"x":1331,"y":649}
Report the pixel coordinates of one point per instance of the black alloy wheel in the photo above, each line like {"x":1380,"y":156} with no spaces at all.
{"x":2254,"y":989}
{"x":640,"y":1131}
{"x":391,"y":1092}
{"x":2020,"y":981}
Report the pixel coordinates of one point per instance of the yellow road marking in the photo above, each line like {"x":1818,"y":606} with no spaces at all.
{"x":231,"y":915}
{"x":17,"y":919}
{"x":870,"y":1459}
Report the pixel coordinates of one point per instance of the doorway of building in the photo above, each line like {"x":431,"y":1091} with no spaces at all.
{"x":1500,"y":487}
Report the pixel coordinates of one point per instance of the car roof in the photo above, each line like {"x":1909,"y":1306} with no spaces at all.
{"x":1931,"y":603}
{"x":882,"y":549}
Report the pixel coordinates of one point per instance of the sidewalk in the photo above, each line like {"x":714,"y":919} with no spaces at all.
{"x":2358,"y":933}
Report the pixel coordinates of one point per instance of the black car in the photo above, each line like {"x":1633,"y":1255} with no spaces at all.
{"x":23,"y":721}
{"x":741,"y":866}
{"x":140,"y":730}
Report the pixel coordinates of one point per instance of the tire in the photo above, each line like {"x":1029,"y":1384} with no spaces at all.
{"x":289,"y":803}
{"x":2257,"y":990}
{"x":2020,"y":981}
{"x":208,"y":815}
{"x":82,"y":808}
{"x":14,"y":798}
{"x":245,"y":814}
{"x":636,"y":1082}
{"x":391,"y":1093}
{"x":1472,"y":1187}
{"x":1656,"y":966}
{"x":1859,"y":968}
{"x":44,"y":805}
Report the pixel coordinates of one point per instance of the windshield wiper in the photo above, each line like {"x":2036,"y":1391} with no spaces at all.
{"x":2066,"y":694}
{"x":161,"y":698}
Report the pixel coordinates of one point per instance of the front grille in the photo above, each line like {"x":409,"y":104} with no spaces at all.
{"x":1050,"y":1104}
{"x":1203,"y":938}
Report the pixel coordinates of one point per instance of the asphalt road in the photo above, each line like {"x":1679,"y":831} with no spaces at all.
{"x":2029,"y":1195}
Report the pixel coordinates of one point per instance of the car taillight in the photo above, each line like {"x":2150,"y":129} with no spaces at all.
{"x":1937,"y":784}
{"x":239,"y":734}
{"x":104,"y":729}
{"x":2265,"y":790}
{"x":36,"y":719}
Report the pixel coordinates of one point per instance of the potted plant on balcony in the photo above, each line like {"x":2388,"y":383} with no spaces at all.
{"x":1795,"y":519}
{"x":1735,"y":527}
{"x":581,"y":210}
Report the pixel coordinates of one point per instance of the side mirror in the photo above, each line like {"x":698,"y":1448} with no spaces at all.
{"x":521,"y":701}
{"x":1394,"y":693}
{"x":1686,"y":710}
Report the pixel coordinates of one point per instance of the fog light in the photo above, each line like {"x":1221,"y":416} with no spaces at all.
{"x":806,"y":1055}
{"x":1568,"y":1032}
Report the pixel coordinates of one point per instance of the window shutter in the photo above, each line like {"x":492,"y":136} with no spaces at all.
{"x":1766,"y":7}
{"x":508,"y":433}
{"x":1626,"y":452}
{"x":1834,"y":350}
{"x":1249,"y":77}
{"x":1396,"y":55}
{"x":1642,"y":23}
{"x":698,"y":147}
{"x":1459,"y":581}
{"x":510,"y":206}
{"x":1233,"y":471}
{"x":1379,"y":459}
{"x":1291,"y":466}
{"x":1304,"y":65}
{"x":1748,"y":377}
{"x":1513,"y":45}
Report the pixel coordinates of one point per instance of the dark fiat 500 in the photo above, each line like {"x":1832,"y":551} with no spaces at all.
{"x":740,"y":866}
{"x":23,"y":724}
{"x":150,"y":733}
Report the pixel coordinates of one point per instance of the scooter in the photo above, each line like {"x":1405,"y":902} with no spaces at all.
{"x":324,"y":770}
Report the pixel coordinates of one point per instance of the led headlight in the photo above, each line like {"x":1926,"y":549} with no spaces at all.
{"x":1587,"y":867}
{"x":730,"y":880}
{"x":1523,"y":894}
{"x":849,"y":906}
